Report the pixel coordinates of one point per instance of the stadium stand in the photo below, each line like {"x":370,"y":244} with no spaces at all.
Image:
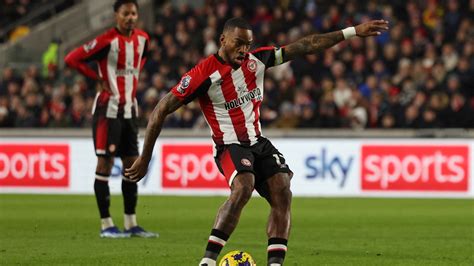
{"x":17,"y":16}
{"x":418,"y":75}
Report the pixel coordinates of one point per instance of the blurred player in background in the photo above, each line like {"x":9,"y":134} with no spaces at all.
{"x":120,"y":54}
{"x":229,"y":86}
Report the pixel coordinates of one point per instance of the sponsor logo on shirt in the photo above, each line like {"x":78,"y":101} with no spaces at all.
{"x":255,"y":94}
{"x":126,"y":72}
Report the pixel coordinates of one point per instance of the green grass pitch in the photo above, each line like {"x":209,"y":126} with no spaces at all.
{"x":64,"y":229}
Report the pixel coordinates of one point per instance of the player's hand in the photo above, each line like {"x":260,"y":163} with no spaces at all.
{"x":103,"y":85}
{"x":138,"y":170}
{"x":371,"y":28}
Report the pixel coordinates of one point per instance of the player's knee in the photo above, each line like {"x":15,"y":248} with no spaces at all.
{"x":286,"y":196}
{"x":242,"y":188}
{"x":104,"y":165}
{"x":242,"y":195}
{"x":283,"y":197}
{"x":282,"y":184}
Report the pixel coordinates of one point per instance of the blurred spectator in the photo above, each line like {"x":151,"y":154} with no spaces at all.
{"x":287,"y":118}
{"x":12,"y":27}
{"x":50,"y":59}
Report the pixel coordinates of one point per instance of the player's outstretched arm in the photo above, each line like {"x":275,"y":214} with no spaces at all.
{"x":316,"y":43}
{"x":166,"y":106}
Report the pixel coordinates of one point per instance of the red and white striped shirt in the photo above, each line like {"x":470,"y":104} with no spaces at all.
{"x":120,"y":60}
{"x":230,"y":98}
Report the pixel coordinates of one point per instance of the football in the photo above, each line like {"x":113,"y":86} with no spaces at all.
{"x":237,"y":258}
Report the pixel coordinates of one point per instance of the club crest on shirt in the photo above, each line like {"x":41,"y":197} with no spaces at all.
{"x":90,"y":45}
{"x":252,"y":65}
{"x":246,"y":162}
{"x":184,"y":84}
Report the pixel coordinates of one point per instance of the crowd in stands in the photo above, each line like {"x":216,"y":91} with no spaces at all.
{"x":13,"y":11}
{"x":419,"y":74}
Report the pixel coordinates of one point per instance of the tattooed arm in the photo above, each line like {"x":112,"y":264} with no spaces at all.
{"x":166,"y":106}
{"x":319,"y":42}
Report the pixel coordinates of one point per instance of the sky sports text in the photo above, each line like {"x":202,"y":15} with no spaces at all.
{"x":34,"y":165}
{"x":324,"y":165}
{"x":415,"y":167}
{"x":190,"y":166}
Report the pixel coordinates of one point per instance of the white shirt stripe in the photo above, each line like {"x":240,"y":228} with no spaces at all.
{"x":241,"y":89}
{"x":222,"y":115}
{"x":129,"y":57}
{"x":112,"y":59}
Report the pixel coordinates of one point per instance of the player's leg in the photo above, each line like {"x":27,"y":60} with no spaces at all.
{"x":237,"y":166}
{"x":228,"y":216}
{"x":278,"y":227}
{"x":130,"y":195}
{"x":128,"y":151}
{"x":105,"y":139}
{"x":274,"y":186}
{"x":101,"y":189}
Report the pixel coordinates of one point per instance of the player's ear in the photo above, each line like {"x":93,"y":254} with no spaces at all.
{"x":222,"y":39}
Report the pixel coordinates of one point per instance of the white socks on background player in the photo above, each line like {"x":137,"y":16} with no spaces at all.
{"x":106,"y":223}
{"x":129,"y":220}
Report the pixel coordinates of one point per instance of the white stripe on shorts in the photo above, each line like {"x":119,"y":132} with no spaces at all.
{"x":231,"y":179}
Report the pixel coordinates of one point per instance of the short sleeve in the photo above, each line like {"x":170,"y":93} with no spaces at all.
{"x":193,"y":84}
{"x":270,"y":56}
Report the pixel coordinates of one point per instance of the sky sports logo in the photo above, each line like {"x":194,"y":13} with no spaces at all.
{"x":34,"y":165}
{"x":328,"y":166}
{"x":415,"y":167}
{"x":190,"y":166}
